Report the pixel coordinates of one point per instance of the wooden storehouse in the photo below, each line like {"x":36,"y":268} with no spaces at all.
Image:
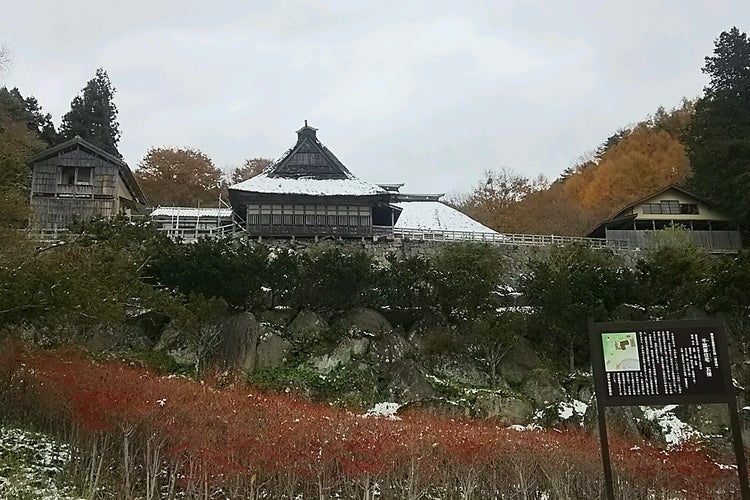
{"x":309,"y":192}
{"x":672,"y":206}
{"x":76,"y":180}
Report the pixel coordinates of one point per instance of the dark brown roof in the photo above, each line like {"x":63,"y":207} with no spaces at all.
{"x":308,"y":158}
{"x":77,"y":142}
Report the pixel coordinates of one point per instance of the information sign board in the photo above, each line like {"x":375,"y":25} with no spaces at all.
{"x":660,"y":363}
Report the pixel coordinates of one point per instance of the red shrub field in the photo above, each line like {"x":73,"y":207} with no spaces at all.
{"x":142,"y":435}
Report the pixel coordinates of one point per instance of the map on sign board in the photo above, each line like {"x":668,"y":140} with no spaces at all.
{"x":621,"y":352}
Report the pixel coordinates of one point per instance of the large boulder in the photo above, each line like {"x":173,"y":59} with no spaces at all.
{"x":389,"y":349}
{"x":341,"y":355}
{"x":520,"y":361}
{"x":147,"y":324}
{"x":459,"y":369}
{"x":279,"y":316}
{"x":173,"y":343}
{"x":542,"y":387}
{"x":405,"y":381}
{"x":506,"y":409}
{"x":438,"y":407}
{"x":363,"y":322}
{"x":712,"y":420}
{"x":238,"y":341}
{"x":273,"y":350}
{"x":307,"y":326}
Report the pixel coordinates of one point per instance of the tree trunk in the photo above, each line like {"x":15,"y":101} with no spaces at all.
{"x":571,"y":353}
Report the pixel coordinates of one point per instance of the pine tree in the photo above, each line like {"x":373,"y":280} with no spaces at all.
{"x":93,"y":115}
{"x":28,"y":111}
{"x":718,"y":137}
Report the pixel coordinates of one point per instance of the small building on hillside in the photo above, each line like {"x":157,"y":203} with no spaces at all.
{"x":76,"y":180}
{"x":190,"y":224}
{"x":672,"y":206}
{"x":309,"y":192}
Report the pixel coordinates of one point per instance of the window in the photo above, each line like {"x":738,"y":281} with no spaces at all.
{"x":670,"y":207}
{"x":75,"y":175}
{"x":68,"y":176}
{"x":689,"y":208}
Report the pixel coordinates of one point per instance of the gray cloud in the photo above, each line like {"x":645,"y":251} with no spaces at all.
{"x":428,"y":93}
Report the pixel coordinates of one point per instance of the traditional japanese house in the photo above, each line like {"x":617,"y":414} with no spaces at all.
{"x":672,"y":206}
{"x":76,"y":180}
{"x":309,"y":192}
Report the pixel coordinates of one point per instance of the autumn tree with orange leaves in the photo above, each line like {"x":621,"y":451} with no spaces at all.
{"x":179,"y":177}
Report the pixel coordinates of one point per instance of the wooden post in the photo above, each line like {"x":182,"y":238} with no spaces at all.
{"x":600,"y":410}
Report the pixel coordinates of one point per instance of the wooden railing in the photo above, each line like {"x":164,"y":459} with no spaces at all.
{"x":714,"y":241}
{"x":497,"y":238}
{"x":195,"y":233}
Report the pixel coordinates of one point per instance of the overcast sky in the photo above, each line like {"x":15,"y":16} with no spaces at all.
{"x":429,"y":93}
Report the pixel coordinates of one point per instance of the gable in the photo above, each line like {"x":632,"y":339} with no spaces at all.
{"x":674,"y":203}
{"x":310,"y":160}
{"x":78,"y":152}
{"x":308,"y":169}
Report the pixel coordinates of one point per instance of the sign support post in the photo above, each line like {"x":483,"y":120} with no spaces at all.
{"x":600,"y":410}
{"x":662,"y":363}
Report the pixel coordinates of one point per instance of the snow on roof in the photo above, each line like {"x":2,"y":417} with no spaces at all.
{"x":350,"y":186}
{"x":436,"y":216}
{"x":191,"y":212}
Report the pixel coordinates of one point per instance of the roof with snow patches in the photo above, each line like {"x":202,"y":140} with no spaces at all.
{"x":191,"y":212}
{"x":309,"y":168}
{"x":436,"y":216}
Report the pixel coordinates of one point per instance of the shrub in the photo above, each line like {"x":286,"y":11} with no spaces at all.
{"x":332,"y":279}
{"x":151,"y":436}
{"x":565,"y":286}
{"x":466,"y":277}
{"x":672,"y":274}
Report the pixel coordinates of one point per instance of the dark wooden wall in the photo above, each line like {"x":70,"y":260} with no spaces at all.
{"x":55,"y":204}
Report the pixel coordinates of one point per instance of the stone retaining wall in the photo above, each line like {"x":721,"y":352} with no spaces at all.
{"x":380,"y":247}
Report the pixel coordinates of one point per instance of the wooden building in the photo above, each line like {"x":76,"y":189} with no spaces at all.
{"x":672,"y":206}
{"x":189,"y":224}
{"x":76,"y":180}
{"x":309,"y":192}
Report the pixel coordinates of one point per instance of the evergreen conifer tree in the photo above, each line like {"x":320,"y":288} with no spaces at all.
{"x":93,"y":115}
{"x":718,"y":138}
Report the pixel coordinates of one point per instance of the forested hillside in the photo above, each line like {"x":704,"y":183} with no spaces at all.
{"x":702,"y":144}
{"x":629,"y":165}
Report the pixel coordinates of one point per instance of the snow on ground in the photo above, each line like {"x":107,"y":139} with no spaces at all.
{"x":386,"y":410}
{"x":566,"y":410}
{"x":675,"y":431}
{"x":313,"y":187}
{"x":436,"y":216}
{"x":33,"y":465}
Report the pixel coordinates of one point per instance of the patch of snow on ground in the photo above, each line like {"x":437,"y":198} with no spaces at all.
{"x":675,"y":431}
{"x":33,"y":465}
{"x":522,"y":428}
{"x":386,"y":410}
{"x":566,"y":410}
{"x":726,"y":466}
